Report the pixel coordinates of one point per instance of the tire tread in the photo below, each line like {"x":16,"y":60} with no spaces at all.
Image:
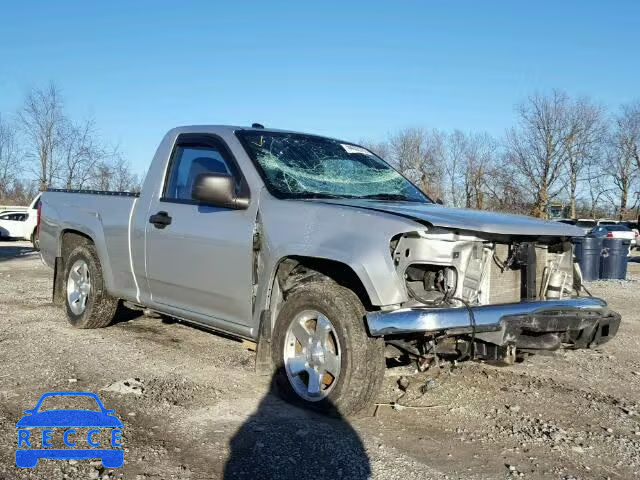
{"x":365,"y":357}
{"x":101,"y":307}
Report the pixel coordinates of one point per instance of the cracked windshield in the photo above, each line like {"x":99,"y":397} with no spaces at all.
{"x":305,"y":166}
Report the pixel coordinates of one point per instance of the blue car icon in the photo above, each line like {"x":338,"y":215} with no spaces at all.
{"x":68,"y":419}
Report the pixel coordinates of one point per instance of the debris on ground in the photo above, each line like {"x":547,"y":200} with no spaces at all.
{"x":125,"y":387}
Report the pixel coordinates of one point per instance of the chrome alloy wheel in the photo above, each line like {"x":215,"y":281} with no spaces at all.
{"x":78,"y":287}
{"x":312,"y":357}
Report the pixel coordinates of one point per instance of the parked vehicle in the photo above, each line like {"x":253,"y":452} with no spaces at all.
{"x":616,"y":231}
{"x":633,"y":225}
{"x":608,"y":221}
{"x":567,"y":221}
{"x":12,"y":224}
{"x":31,"y":222}
{"x":13,"y":208}
{"x":586,"y":224}
{"x":25,"y":223}
{"x":324,"y":255}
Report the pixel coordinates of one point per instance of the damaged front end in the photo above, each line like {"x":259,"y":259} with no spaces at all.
{"x":489,"y":298}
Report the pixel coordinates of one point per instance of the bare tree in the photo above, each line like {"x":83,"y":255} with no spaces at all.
{"x":628,"y":131}
{"x":585,"y":137}
{"x":505,"y":191}
{"x":469,"y":165}
{"x":114,"y":174}
{"x":480,"y":165}
{"x":124,"y":180}
{"x":624,"y":154}
{"x":622,"y":172}
{"x":597,"y":177}
{"x":9,"y":158}
{"x":22,"y":191}
{"x":41,"y":119}
{"x":419,"y":155}
{"x":79,"y":151}
{"x":382,"y":149}
{"x":455,"y":168}
{"x":102,"y":178}
{"x":537,"y":146}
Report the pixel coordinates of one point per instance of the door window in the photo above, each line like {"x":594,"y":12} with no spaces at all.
{"x":188,"y":162}
{"x":20,"y":217}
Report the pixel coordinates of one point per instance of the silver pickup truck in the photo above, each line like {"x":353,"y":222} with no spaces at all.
{"x":321,"y":253}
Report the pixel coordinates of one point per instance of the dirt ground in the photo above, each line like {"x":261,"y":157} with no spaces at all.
{"x":193,"y":408}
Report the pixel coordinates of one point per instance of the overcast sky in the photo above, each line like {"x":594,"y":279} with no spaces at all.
{"x":355,"y":71}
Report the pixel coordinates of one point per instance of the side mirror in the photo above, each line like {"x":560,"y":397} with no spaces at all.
{"x":218,"y":189}
{"x":439,"y":201}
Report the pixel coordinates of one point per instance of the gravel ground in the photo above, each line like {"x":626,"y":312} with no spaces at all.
{"x":193,"y":408}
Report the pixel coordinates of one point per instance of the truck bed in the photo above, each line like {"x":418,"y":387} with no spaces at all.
{"x":101,"y":215}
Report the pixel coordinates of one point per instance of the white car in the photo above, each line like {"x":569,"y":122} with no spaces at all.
{"x":12,"y":224}
{"x":22,"y":224}
{"x":633,"y":225}
{"x":616,"y":231}
{"x":31,"y":222}
{"x":608,"y":221}
{"x":586,"y":224}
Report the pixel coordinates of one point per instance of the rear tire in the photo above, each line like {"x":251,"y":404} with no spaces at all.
{"x":35,"y":240}
{"x":87,"y":303}
{"x":360,"y":357}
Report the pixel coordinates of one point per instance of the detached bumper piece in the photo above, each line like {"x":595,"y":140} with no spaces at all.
{"x":536,"y":325}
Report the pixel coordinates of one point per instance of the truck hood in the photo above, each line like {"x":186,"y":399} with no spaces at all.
{"x":466,"y":219}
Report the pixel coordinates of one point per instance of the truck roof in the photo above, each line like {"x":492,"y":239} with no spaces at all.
{"x":230,"y":129}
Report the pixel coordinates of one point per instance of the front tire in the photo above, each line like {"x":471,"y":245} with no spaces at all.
{"x":87,"y":303}
{"x":323,"y":356}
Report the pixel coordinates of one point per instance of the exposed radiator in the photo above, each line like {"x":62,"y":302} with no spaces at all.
{"x":504,"y":286}
{"x":496,"y":284}
{"x":541,"y":264}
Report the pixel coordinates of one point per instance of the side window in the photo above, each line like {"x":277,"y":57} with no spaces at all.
{"x":188,"y":162}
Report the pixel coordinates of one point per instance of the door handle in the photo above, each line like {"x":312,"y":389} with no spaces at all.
{"x":160,"y":219}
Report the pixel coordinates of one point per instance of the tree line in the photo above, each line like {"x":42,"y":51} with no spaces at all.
{"x":42,"y":147}
{"x":562,"y":151}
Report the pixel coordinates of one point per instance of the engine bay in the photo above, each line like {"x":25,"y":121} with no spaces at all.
{"x":451,"y":269}
{"x":444,"y":270}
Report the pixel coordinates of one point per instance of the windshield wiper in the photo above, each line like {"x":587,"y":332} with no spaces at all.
{"x":375,"y":196}
{"x":388,"y":196}
{"x":319,"y":195}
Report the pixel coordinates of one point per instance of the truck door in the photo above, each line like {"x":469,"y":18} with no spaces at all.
{"x":199,"y":257}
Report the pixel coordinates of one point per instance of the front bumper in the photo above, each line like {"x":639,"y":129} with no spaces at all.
{"x":543,"y":325}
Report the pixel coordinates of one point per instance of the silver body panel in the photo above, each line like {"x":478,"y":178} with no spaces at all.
{"x":464,"y":219}
{"x":200,"y":267}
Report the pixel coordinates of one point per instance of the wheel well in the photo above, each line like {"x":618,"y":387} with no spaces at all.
{"x":290,"y":273}
{"x":294,"y":271}
{"x":70,"y":239}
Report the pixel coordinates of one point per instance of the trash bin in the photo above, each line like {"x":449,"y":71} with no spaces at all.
{"x":587,"y":251}
{"x":613,"y":261}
